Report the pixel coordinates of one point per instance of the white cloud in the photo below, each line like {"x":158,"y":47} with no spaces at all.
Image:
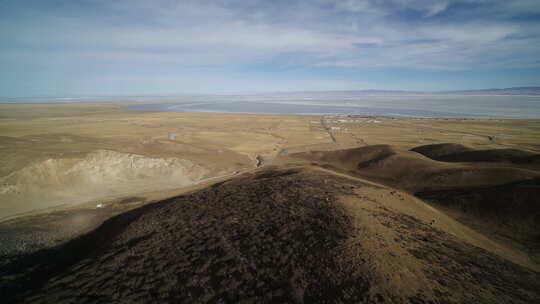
{"x":363,"y":6}
{"x":436,"y":8}
{"x":357,"y":33}
{"x":385,"y":7}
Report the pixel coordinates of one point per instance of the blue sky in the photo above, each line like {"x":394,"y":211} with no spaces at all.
{"x":166,"y":47}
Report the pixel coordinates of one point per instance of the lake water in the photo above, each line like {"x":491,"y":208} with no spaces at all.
{"x":438,"y":106}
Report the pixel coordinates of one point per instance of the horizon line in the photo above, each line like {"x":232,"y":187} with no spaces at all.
{"x":520,"y":88}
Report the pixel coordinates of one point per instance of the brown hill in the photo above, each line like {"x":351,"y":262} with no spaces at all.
{"x":499,"y":199}
{"x":412,"y":171}
{"x":436,"y":151}
{"x":510,"y":212}
{"x":295,"y":235}
{"x":459,"y":153}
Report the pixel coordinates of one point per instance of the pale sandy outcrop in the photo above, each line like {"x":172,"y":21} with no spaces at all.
{"x":99,"y":175}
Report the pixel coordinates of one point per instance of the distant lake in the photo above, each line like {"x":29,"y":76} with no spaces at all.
{"x":437,"y":106}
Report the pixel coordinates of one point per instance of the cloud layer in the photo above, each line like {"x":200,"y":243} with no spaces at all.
{"x":330,"y":39}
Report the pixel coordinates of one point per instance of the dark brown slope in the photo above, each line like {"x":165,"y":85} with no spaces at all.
{"x":436,"y":151}
{"x":509,"y":211}
{"x":295,"y":235}
{"x":460,"y":153}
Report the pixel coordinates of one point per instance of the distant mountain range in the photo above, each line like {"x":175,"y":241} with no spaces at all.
{"x":146,"y":98}
{"x":505,"y":91}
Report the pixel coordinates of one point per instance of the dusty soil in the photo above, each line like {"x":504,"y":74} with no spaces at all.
{"x":48,"y":228}
{"x":31,"y":233}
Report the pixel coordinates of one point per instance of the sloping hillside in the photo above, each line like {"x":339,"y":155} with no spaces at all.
{"x":413,"y":171}
{"x":96,"y":176}
{"x":296,"y":235}
{"x":493,"y":191}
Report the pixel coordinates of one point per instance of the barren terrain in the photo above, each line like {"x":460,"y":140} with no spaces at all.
{"x":101,"y":204}
{"x":64,"y":154}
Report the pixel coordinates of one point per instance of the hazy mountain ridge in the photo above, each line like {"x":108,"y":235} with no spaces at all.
{"x":135,"y":98}
{"x":492,"y":91}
